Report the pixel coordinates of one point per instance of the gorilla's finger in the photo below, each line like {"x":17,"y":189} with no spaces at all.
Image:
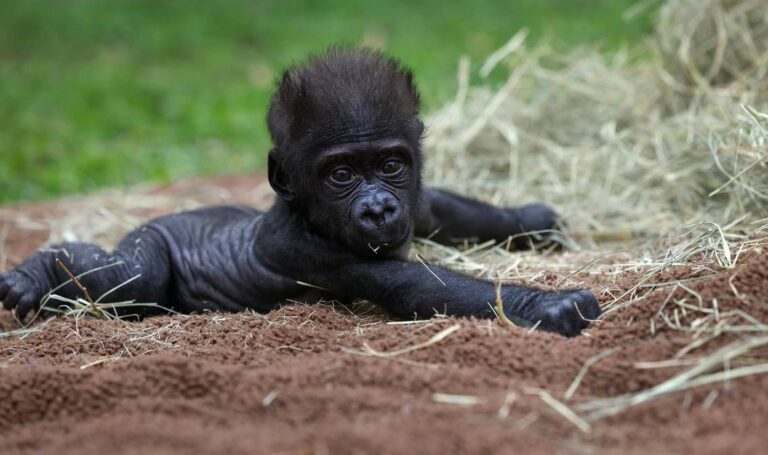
{"x":26,"y":303}
{"x":11,"y":299}
{"x":588,"y":305}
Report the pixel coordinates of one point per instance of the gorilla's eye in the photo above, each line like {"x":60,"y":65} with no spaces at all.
{"x":341,"y":175}
{"x":391,"y":167}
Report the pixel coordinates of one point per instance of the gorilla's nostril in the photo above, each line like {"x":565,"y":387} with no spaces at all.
{"x":378,"y":215}
{"x":375,"y":218}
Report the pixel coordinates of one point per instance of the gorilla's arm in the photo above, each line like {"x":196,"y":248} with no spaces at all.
{"x":449,"y":218}
{"x":413,"y":289}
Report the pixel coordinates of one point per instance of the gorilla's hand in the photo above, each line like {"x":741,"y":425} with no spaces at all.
{"x":19,"y":292}
{"x":23,"y":288}
{"x":536,"y":217}
{"x":564,"y":312}
{"x":540,"y":220}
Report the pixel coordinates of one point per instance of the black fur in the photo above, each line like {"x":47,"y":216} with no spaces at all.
{"x":346,"y":165}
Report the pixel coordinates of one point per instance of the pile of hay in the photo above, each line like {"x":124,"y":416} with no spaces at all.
{"x":714,"y":42}
{"x":626,"y":147}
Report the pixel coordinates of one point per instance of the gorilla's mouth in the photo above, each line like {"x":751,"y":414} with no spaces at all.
{"x":387,"y":243}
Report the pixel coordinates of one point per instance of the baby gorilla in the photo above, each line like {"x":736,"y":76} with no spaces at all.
{"x":346,"y":165}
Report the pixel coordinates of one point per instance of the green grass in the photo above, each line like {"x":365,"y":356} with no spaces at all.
{"x":102,"y":93}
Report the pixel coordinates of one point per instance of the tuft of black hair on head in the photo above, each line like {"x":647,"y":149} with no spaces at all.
{"x":342,"y":93}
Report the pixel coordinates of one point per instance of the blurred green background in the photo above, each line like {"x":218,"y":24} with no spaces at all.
{"x":112,"y":92}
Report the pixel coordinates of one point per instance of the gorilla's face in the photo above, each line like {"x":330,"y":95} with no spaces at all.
{"x":365,"y":194}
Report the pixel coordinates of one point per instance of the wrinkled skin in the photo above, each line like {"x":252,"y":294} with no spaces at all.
{"x":346,"y":165}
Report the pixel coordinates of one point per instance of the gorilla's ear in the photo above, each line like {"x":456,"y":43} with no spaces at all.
{"x":420,"y":127}
{"x":278,"y":180}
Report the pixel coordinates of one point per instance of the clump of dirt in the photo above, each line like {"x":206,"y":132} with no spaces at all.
{"x":313,"y":379}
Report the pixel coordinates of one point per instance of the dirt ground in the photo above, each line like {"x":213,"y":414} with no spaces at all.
{"x":326,"y":379}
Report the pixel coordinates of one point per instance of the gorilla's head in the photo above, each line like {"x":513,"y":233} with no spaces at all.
{"x":346,"y":132}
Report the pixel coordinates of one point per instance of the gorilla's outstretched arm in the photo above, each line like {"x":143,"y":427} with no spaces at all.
{"x":449,"y":218}
{"x":410,"y":290}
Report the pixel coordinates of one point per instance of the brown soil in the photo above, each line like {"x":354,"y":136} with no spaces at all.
{"x":294,"y":381}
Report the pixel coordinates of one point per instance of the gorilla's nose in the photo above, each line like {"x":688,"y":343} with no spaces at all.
{"x":378,"y":210}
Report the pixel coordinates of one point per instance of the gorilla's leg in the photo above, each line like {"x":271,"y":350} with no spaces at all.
{"x":139,"y":268}
{"x":450,"y":218}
